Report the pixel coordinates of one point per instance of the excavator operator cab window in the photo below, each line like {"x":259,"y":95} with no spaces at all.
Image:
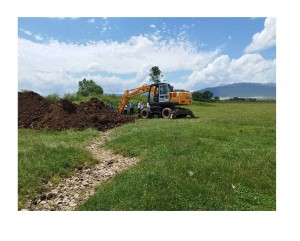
{"x":164,"y":91}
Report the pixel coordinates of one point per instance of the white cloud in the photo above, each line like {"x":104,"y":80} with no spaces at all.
{"x":26,"y":32}
{"x":52,"y":66}
{"x":114,"y":84}
{"x":38,"y":37}
{"x":264,"y":39}
{"x":105,"y":26}
{"x":56,"y":62}
{"x":91,"y":20}
{"x":152,"y":26}
{"x":223,"y":70}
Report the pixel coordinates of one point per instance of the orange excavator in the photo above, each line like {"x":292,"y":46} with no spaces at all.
{"x":163,"y":101}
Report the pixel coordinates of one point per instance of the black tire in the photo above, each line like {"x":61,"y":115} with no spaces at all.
{"x":166,"y":112}
{"x":145,"y":113}
{"x":181,"y":116}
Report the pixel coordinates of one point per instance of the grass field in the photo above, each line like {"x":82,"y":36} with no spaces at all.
{"x":47,"y":156}
{"x":223,"y":160}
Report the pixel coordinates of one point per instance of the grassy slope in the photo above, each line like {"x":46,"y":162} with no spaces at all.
{"x":49,"y":155}
{"x":223,"y":160}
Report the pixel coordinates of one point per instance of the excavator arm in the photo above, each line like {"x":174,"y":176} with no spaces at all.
{"x":132,"y":93}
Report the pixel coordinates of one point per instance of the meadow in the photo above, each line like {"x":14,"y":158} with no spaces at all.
{"x":47,"y":156}
{"x":225,"y":159}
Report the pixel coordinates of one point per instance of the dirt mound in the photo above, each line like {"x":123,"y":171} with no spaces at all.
{"x":36,"y":112}
{"x":32,"y":107}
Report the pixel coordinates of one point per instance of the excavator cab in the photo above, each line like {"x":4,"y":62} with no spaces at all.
{"x":164,"y":93}
{"x":159,"y":93}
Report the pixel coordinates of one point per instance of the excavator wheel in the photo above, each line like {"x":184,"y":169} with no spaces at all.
{"x":145,"y":113}
{"x":166,"y":112}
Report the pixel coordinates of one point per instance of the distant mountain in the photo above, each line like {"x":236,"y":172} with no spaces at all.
{"x":244,"y":90}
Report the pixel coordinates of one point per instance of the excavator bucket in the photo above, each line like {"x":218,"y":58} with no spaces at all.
{"x":181,"y":112}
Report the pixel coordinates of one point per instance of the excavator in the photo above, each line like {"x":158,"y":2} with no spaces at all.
{"x":163,"y":100}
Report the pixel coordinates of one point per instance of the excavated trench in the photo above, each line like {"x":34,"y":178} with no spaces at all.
{"x":76,"y":189}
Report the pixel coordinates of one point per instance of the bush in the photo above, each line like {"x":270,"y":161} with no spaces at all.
{"x":53,"y":97}
{"x":71,"y":96}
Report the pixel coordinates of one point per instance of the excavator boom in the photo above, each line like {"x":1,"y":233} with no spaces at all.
{"x":132,"y":93}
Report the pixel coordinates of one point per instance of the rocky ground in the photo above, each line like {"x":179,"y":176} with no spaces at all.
{"x":74,"y":190}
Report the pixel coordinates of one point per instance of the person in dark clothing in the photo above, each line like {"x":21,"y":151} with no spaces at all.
{"x":139,"y":108}
{"x":125,"y":110}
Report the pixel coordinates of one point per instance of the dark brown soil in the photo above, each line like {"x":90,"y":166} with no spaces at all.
{"x":36,"y":112}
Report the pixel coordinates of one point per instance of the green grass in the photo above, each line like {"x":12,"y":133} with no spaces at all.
{"x":111,"y":99}
{"x":47,"y":156}
{"x":223,"y":160}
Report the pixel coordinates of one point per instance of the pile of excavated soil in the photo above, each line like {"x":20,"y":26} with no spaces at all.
{"x":36,"y":112}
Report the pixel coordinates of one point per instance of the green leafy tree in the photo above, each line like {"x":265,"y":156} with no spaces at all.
{"x":206,"y":96}
{"x":89,"y":87}
{"x":155,"y":74}
{"x":197,"y":95}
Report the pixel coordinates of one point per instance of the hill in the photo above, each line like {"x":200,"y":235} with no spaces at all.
{"x":244,"y":90}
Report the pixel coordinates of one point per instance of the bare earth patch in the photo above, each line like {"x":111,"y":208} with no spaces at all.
{"x":76,"y":189}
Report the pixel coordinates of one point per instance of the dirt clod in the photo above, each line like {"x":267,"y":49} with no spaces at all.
{"x":36,"y":112}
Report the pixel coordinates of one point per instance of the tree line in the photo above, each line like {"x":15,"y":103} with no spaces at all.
{"x":205,"y":96}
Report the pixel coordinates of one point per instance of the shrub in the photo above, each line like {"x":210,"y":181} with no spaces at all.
{"x":71,"y":96}
{"x":53,"y":97}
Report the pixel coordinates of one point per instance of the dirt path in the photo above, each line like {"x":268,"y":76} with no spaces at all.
{"x":76,"y":189}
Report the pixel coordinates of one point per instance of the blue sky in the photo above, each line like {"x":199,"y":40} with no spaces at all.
{"x":117,"y":53}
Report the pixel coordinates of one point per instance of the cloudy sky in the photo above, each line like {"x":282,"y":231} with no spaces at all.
{"x":117,"y":53}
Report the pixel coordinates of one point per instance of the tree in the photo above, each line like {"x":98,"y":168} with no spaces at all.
{"x":155,"y":74}
{"x":89,"y":87}
{"x":206,"y":96}
{"x":197,"y":95}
